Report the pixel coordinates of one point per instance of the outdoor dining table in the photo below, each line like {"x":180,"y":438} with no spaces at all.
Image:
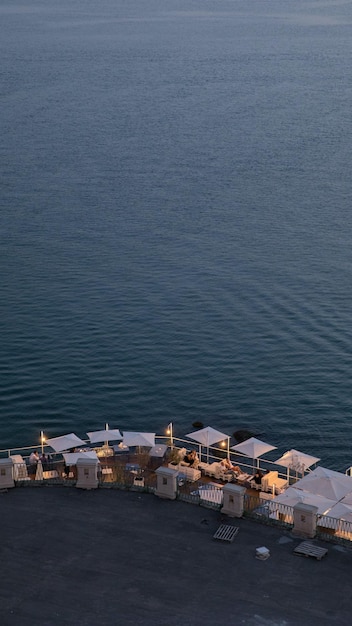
{"x":156,"y":455}
{"x":132,"y":467}
{"x":243,"y":478}
{"x":158,"y":451}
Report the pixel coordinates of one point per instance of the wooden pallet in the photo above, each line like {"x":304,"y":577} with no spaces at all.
{"x":226,"y":533}
{"x":309,"y":549}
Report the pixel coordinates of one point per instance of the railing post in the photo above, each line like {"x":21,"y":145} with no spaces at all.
{"x":305,"y":520}
{"x":233,"y":503}
{"x":166,"y":486}
{"x":87,"y":474}
{"x":6,"y":474}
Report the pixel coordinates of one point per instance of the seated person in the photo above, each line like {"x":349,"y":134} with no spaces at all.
{"x":227,"y":465}
{"x":191,"y":458}
{"x":258,"y":477}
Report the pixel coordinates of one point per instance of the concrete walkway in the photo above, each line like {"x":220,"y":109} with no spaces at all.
{"x":109,"y":557}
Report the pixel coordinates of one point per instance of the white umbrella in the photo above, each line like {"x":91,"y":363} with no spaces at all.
{"x":131,"y":439}
{"x":208,"y":436}
{"x":71,"y":458}
{"x":326,"y":482}
{"x":108,"y":434}
{"x":293,"y":496}
{"x":297,"y":461}
{"x":347,"y":499}
{"x":254,"y":448}
{"x":342,"y":513}
{"x":66,"y":442}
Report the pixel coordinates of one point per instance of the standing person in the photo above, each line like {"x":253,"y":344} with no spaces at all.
{"x":44,"y":460}
{"x":33,"y":460}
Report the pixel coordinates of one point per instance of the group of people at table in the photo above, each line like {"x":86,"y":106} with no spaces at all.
{"x":33,"y":461}
{"x":46,"y":462}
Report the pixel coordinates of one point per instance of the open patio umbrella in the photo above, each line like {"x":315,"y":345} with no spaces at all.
{"x":106,"y":435}
{"x":297,"y":461}
{"x":207,"y":437}
{"x":254,"y":448}
{"x":65,"y":442}
{"x":347,"y":499}
{"x":293,"y":496}
{"x":326,"y":482}
{"x":342,"y":513}
{"x":71,"y":458}
{"x":146,"y":440}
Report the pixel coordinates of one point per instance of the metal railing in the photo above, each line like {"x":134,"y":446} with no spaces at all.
{"x":212,"y":454}
{"x":333,"y":529}
{"x":268,"y":511}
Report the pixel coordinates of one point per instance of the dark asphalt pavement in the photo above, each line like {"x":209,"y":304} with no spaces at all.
{"x":110,"y":557}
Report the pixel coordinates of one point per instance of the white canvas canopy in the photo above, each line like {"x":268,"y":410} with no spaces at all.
{"x":342,"y":513}
{"x":327,"y":483}
{"x":208,"y":436}
{"x":254,"y":448}
{"x":296,"y":460}
{"x":347,"y":499}
{"x":71,"y":458}
{"x":146,"y":440}
{"x":65,"y":442}
{"x":108,"y":434}
{"x":293,"y":496}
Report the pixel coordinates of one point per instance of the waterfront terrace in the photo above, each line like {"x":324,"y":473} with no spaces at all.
{"x":134,"y":467}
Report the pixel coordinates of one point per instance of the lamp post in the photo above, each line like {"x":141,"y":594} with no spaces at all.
{"x":42,"y":440}
{"x":223,"y":445}
{"x":170,"y":432}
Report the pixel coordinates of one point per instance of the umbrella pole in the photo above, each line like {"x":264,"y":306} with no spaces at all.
{"x":42,"y":440}
{"x":171,"y":434}
{"x":106,"y":443}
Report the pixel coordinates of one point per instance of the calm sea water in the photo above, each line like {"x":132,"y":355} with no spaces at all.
{"x":176,"y":219}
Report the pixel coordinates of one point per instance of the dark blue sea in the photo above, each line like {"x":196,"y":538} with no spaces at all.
{"x":176,"y":219}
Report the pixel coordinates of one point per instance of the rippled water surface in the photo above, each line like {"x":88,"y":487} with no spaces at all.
{"x":176,"y":219}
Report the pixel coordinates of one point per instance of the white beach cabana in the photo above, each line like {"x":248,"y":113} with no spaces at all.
{"x":325,"y":482}
{"x":207,"y":437}
{"x":253,"y":448}
{"x":65,"y":442}
{"x":296,"y":461}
